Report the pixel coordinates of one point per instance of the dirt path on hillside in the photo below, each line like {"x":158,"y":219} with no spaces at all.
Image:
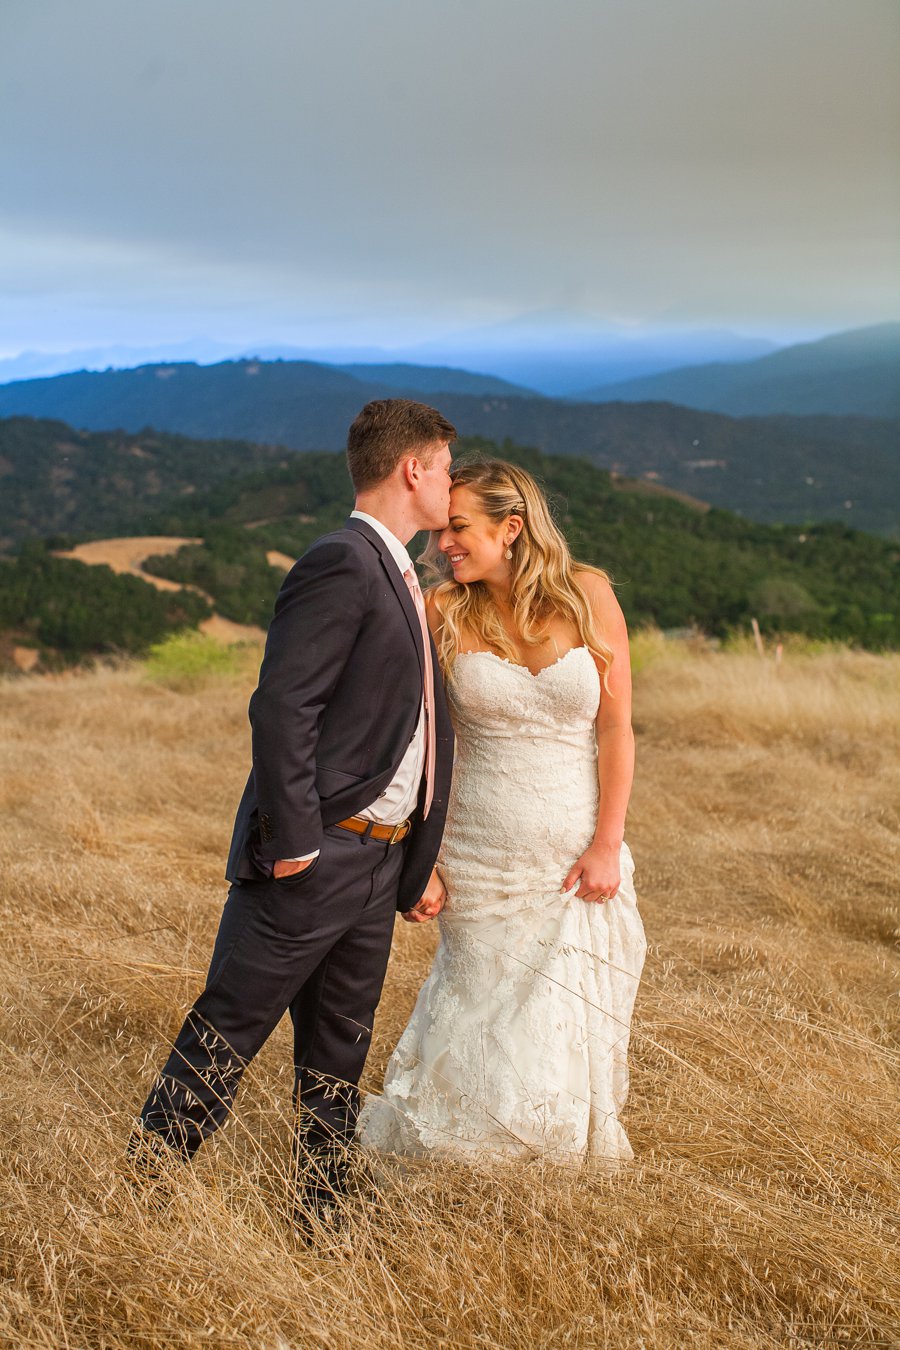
{"x":127,"y":556}
{"x":282,"y":560}
{"x":229,"y":632}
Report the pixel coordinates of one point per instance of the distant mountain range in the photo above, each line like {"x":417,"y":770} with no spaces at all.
{"x":557,"y":353}
{"x":391,"y":374}
{"x":855,"y":373}
{"x":769,"y":469}
{"x":409,"y":380}
{"x":36,"y":365}
{"x":560,"y":353}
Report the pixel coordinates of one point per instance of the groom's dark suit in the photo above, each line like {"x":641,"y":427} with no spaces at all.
{"x":338,"y":700}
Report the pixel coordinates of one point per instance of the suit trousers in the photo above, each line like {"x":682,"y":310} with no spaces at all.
{"x":316,"y":945}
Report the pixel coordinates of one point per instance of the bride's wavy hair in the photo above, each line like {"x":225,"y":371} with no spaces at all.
{"x":543,"y":572}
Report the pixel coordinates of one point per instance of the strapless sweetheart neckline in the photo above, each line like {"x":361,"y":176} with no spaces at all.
{"x":516,"y":665}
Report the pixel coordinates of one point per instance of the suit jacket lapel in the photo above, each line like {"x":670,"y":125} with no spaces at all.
{"x":395,"y":576}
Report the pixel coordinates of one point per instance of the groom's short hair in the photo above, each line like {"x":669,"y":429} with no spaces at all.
{"x":386,"y":430}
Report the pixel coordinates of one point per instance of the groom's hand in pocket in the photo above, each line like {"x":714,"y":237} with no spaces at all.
{"x":431,"y":903}
{"x":289,"y":867}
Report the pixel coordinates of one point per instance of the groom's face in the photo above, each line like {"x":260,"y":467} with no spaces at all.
{"x":433,"y":494}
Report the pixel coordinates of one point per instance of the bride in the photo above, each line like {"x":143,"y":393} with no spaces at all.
{"x":517,"y":1044}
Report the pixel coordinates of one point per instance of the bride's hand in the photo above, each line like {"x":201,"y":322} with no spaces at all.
{"x":431,"y":903}
{"x":598,"y":871}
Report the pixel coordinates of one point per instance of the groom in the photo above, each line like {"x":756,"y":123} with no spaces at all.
{"x":341,"y":818}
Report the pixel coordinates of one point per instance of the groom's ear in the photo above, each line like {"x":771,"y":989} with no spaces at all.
{"x":412,"y":468}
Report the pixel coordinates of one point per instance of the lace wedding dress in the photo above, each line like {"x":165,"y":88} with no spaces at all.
{"x":518,"y":1041}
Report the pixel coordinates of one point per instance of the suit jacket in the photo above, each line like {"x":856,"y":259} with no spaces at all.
{"x":338,"y":699}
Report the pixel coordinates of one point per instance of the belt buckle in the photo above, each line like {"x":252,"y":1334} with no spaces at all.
{"x":395,"y":832}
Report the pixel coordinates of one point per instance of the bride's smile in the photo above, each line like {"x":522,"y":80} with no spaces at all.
{"x":476,"y":547}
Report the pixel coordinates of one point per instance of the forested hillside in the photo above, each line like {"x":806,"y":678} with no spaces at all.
{"x":675,"y":564}
{"x":56,"y":480}
{"x":779,"y":468}
{"x":68,"y":611}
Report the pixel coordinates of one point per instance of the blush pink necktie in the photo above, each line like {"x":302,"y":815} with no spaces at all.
{"x":415,"y":590}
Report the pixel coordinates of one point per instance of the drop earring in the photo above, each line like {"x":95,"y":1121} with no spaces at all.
{"x":508,"y":554}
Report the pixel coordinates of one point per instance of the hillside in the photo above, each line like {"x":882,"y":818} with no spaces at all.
{"x":410,"y":381}
{"x":56,"y":480}
{"x":846,"y":374}
{"x":62,"y":611}
{"x":676,"y":563}
{"x":300,"y":404}
{"x":772,"y":469}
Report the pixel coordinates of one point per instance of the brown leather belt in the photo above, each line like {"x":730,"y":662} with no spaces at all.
{"x":391,"y":834}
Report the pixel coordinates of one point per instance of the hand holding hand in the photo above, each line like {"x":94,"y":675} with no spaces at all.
{"x":599,"y":872}
{"x":432,"y":902}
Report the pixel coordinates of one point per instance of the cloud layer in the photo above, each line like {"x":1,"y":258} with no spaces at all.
{"x":394,"y":170}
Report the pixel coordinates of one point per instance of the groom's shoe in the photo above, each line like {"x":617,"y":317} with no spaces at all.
{"x":317,"y":1213}
{"x":151,"y":1165}
{"x":328,"y":1177}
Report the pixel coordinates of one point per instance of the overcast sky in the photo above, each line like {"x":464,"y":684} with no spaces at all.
{"x":361,"y":171}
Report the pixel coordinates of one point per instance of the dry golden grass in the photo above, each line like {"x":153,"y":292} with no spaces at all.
{"x":763,"y":1206}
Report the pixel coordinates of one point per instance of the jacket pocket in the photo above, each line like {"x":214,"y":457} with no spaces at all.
{"x":330,"y":781}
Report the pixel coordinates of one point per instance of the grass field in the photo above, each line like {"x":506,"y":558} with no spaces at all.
{"x":763,"y":1208}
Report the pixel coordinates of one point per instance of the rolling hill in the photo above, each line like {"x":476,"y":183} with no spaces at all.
{"x":412,"y":381}
{"x":848,"y":374}
{"x":777,"y":468}
{"x":55,"y":480}
{"x":251,"y":508}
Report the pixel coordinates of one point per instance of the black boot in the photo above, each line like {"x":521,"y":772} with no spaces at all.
{"x":328,"y":1174}
{"x":152,"y":1165}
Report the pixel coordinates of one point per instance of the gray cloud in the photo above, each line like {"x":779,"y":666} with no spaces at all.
{"x":407,"y":166}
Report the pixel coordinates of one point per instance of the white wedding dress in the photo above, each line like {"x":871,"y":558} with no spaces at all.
{"x":517,"y":1044}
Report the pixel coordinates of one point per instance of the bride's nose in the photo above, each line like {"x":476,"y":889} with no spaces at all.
{"x":445,"y":541}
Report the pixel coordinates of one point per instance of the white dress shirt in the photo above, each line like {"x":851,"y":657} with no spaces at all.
{"x":399,"y":798}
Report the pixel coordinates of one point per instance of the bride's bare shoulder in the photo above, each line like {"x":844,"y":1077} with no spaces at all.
{"x":602,"y":600}
{"x":595,"y":585}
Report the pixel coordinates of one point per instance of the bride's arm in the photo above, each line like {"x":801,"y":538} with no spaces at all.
{"x":598,"y":866}
{"x":615,"y":738}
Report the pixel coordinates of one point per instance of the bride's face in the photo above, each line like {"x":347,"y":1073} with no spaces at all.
{"x":474,"y":544}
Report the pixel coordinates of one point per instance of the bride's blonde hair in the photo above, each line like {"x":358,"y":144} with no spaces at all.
{"x":543,"y":572}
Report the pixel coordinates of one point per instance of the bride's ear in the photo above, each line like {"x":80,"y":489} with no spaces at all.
{"x":514,"y":527}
